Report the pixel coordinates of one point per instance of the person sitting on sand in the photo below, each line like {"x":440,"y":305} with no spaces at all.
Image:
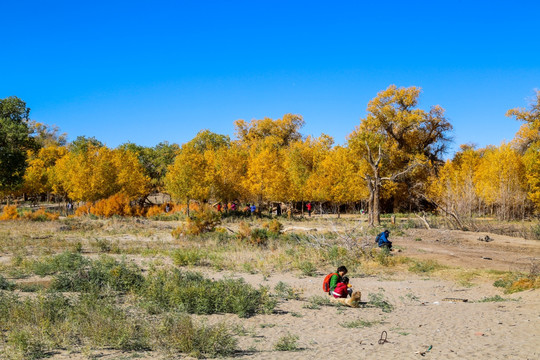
{"x":382,"y":240}
{"x":337,"y":278}
{"x":343,"y":289}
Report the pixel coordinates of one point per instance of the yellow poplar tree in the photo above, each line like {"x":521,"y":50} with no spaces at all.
{"x":187,"y":177}
{"x":527,"y":141}
{"x":37,"y":178}
{"x":337,"y":178}
{"x":301,"y":159}
{"x":227,"y":168}
{"x":98,"y":172}
{"x":266,"y":178}
{"x":500,"y":181}
{"x":394,"y":138}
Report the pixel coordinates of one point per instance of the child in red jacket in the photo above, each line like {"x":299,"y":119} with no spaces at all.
{"x":342,"y":289}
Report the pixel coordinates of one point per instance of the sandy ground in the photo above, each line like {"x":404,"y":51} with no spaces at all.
{"x":421,"y":319}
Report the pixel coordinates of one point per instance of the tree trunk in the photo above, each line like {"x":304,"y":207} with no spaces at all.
{"x":187,"y":208}
{"x":376,"y":217}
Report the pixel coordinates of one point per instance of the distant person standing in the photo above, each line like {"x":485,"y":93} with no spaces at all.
{"x":308,"y":205}
{"x":278,"y":209}
{"x":252,"y":208}
{"x":219,"y":207}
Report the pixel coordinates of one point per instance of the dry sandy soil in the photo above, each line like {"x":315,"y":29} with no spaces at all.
{"x":422,"y":324}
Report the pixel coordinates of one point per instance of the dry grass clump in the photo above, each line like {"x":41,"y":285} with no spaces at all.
{"x":512,"y":283}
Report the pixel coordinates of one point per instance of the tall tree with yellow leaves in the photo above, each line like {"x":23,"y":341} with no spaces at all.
{"x":38,"y":178}
{"x":190,"y":176}
{"x":265,"y":141}
{"x":301,"y":160}
{"x":266,"y":177}
{"x":527,"y":141}
{"x":499,"y":180}
{"x":396,"y":137}
{"x":93,"y":173}
{"x":337,"y":178}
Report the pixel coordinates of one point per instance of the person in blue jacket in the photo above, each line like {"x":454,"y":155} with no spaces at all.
{"x":382,"y":240}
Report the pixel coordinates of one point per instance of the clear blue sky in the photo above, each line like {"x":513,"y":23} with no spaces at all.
{"x":152,"y":71}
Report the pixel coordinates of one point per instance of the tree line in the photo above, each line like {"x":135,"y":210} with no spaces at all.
{"x":394,"y":156}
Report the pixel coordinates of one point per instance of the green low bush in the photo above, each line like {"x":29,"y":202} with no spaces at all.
{"x":194,"y":256}
{"x":67,"y":262}
{"x":191,"y":292}
{"x":377,"y":300}
{"x":178,"y":332}
{"x":33,"y":327}
{"x":101,"y":273}
{"x":287,"y":342}
{"x":258,"y":237}
{"x":427,"y":266}
{"x":5,"y":284}
{"x":286,"y":291}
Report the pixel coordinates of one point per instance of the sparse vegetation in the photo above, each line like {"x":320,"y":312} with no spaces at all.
{"x":121,"y":272}
{"x":425,"y":267}
{"x":288,"y":342}
{"x":378,"y":300}
{"x":353,"y":324}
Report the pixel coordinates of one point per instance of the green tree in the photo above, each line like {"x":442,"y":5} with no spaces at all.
{"x":154,"y":161}
{"x":15,"y":141}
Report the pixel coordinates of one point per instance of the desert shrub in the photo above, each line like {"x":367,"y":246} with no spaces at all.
{"x":31,"y":326}
{"x":337,"y":255}
{"x":307,"y":268}
{"x":286,"y":291}
{"x":522,"y":284}
{"x":66,"y":261}
{"x":354,"y":324}
{"x":41,"y":215}
{"x":5,"y":284}
{"x":288,"y":342}
{"x":178,"y":332}
{"x":496,"y":298}
{"x":273,"y":226}
{"x":103,"y":323}
{"x":258,"y":237}
{"x":199,"y":222}
{"x":82,"y":210}
{"x":383,"y":257}
{"x":9,"y":213}
{"x":155,"y":210}
{"x":106,"y":246}
{"x":377,"y":300}
{"x":427,"y":266}
{"x":105,"y":272}
{"x":117,"y":204}
{"x":315,"y":302}
{"x":535,"y":230}
{"x":193,"y":256}
{"x":244,"y":230}
{"x":188,"y":291}
{"x":30,"y":287}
